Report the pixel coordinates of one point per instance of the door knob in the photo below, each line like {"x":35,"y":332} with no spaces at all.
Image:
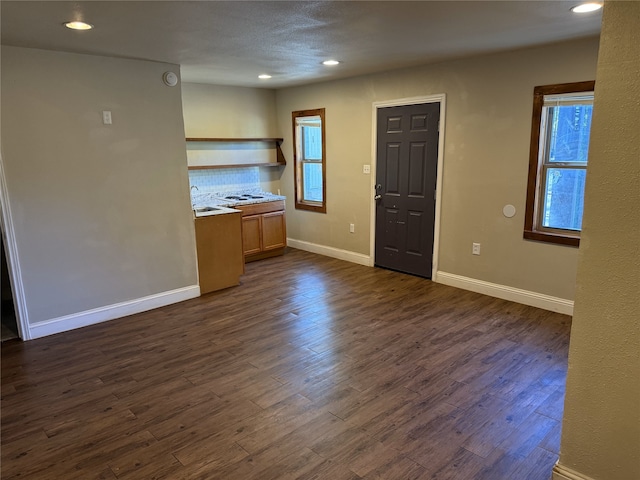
{"x":377,"y":197}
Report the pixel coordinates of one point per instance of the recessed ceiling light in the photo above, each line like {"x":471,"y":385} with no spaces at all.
{"x":586,"y":7}
{"x":330,"y":63}
{"x":264,"y":76}
{"x":78,"y":25}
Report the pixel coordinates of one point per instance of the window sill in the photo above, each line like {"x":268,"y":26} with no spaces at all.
{"x":321,"y":208}
{"x":555,"y":238}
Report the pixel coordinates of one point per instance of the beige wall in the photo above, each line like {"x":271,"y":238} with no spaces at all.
{"x":488,"y":121}
{"x":101,"y":214}
{"x":601,"y":427}
{"x":232,"y":112}
{"x":228,"y":112}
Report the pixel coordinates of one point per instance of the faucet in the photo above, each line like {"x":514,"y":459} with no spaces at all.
{"x":193,"y":205}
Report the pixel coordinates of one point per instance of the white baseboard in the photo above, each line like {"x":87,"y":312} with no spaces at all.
{"x":561,"y":472}
{"x":338,"y":253}
{"x":110,"y":312}
{"x":512,"y":294}
{"x":526,"y":297}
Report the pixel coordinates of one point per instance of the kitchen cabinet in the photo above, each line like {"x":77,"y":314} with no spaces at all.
{"x":207,"y":153}
{"x":264,"y":230}
{"x":219,"y":248}
{"x":251,"y":234}
{"x":273,"y":230}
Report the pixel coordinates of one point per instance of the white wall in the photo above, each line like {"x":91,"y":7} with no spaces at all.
{"x":486,"y":152}
{"x":601,"y":425}
{"x":100,"y":213}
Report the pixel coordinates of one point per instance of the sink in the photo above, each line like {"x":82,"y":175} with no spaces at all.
{"x":205,"y":209}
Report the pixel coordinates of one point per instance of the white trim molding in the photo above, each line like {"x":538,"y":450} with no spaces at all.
{"x":440,"y":98}
{"x":110,"y":312}
{"x":505,"y":292}
{"x":338,"y":253}
{"x":561,"y":472}
{"x":525,"y":297}
{"x":13,"y":263}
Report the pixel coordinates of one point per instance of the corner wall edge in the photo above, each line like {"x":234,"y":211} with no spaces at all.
{"x":338,"y":253}
{"x":560,"y":472}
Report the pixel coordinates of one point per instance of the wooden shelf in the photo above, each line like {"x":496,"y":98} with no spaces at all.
{"x":234,"y":140}
{"x":240,"y":165}
{"x":281,"y":161}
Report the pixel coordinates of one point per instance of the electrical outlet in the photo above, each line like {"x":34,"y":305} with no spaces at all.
{"x":106,"y":117}
{"x":475,"y":249}
{"x":352,"y":228}
{"x":366,"y":168}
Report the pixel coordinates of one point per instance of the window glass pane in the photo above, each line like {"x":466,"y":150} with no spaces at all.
{"x":312,"y":182}
{"x":569,"y":136}
{"x":312,"y":141}
{"x":563,"y":201}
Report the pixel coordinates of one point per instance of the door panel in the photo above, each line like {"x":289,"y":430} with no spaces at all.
{"x":394,"y":124}
{"x":392,"y":168}
{"x":407,"y":160}
{"x":419,"y":122}
{"x":417,"y":165}
{"x":414,"y":233}
{"x":391,"y":240}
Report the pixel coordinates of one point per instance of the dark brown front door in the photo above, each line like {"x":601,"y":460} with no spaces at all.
{"x":406,"y":172}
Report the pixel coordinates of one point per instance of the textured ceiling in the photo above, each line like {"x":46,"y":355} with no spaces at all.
{"x":231,"y":42}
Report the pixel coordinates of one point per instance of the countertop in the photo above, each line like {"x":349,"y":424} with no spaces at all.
{"x":220,"y":203}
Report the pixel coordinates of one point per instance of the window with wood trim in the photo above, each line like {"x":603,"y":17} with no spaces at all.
{"x":560,"y":131}
{"x":309,"y":159}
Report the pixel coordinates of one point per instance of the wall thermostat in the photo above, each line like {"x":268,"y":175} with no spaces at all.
{"x":170,"y":79}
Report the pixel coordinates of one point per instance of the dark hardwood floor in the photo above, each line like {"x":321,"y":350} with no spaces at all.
{"x":313,"y":368}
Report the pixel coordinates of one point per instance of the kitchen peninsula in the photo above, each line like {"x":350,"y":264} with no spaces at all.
{"x":218,"y":243}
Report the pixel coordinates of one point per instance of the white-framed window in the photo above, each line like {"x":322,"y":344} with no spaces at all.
{"x":312,"y":162}
{"x":560,"y":133}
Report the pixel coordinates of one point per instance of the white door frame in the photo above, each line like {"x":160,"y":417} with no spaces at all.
{"x":438,"y":98}
{"x":13,"y":264}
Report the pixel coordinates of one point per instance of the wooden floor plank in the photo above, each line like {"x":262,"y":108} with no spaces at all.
{"x":312,"y":368}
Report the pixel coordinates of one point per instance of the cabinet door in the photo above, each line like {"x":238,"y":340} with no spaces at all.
{"x":274,"y":230}
{"x":251,"y":239}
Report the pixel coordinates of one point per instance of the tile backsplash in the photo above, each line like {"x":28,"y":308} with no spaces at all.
{"x":225,"y":179}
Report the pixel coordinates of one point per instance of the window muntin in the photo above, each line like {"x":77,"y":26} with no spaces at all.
{"x":309,"y":156}
{"x":558,"y":161}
